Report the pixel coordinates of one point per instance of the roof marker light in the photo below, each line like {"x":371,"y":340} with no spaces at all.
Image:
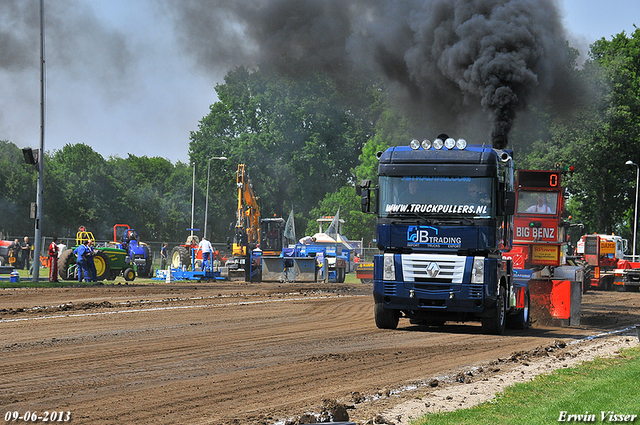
{"x":426,"y":144}
{"x":415,"y":144}
{"x":461,"y":144}
{"x":449,"y":143}
{"x":438,"y":143}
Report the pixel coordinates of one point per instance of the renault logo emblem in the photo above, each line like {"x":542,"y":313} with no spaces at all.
{"x":433,"y":269}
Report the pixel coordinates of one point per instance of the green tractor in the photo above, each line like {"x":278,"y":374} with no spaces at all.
{"x":110,"y":261}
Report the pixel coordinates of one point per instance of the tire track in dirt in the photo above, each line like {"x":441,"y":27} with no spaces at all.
{"x":254,"y":354}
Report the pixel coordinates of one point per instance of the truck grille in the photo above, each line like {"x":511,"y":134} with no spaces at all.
{"x":389,"y":289}
{"x":415,"y":268}
{"x":475,"y":291}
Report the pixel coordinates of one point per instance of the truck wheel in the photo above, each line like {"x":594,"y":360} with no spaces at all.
{"x":586,"y":275}
{"x":495,"y":324}
{"x":522,"y":320}
{"x":103,"y":266}
{"x":180,"y":257}
{"x":385,"y":318}
{"x":66,"y":265}
{"x":608,"y":283}
{"x":129,"y":275}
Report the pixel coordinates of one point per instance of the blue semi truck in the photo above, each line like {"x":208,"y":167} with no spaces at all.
{"x":445,"y":218}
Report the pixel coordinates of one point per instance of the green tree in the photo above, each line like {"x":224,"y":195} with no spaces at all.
{"x":357,"y":225}
{"x":17,"y":191}
{"x":142,"y":186}
{"x":78,"y":191}
{"x":599,"y":135}
{"x":390,"y":130}
{"x":299,"y":138}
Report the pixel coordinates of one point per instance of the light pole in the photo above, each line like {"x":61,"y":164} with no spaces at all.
{"x":635,"y":211}
{"x":206,"y":205}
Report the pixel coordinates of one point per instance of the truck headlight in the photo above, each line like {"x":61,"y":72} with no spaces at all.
{"x":388,"y":268}
{"x":477,"y":272}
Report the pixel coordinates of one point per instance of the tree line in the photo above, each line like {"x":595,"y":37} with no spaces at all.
{"x":306,"y":141}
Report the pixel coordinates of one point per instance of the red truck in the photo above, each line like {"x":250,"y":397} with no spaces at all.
{"x":540,"y":247}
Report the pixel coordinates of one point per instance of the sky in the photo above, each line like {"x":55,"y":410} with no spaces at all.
{"x":124,"y":77}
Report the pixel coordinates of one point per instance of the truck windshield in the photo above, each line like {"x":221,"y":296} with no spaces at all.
{"x":436,"y":196}
{"x":536,"y":202}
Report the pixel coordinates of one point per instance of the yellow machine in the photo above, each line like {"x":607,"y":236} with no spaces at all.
{"x":252,"y":232}
{"x":247,"y":232}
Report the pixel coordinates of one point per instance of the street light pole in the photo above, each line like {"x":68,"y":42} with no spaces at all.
{"x":635,"y":211}
{"x":37,"y":243}
{"x":206,"y":205}
{"x":193,"y":197}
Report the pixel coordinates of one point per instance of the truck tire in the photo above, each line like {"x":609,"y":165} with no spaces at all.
{"x":522,"y":320}
{"x":495,"y":324}
{"x":607,"y":283}
{"x":385,"y":318}
{"x":180,"y":257}
{"x":586,"y":275}
{"x":103,"y":266}
{"x":67,"y":265}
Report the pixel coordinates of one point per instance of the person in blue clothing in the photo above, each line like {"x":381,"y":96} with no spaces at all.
{"x":91,"y":265}
{"x":164,"y":255}
{"x":81,"y":261}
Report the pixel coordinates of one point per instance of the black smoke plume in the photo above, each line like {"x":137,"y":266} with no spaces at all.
{"x":450,"y":60}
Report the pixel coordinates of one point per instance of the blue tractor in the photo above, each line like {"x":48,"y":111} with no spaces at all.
{"x":138,"y":252}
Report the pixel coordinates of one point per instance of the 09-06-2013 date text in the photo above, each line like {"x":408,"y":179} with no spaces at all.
{"x":53,"y":416}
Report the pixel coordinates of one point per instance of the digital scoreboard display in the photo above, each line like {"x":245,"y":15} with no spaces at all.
{"x":539,"y":179}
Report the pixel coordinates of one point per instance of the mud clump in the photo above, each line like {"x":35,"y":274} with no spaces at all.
{"x":332,"y":411}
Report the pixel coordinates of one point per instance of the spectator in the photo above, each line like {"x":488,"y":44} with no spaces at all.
{"x":53,"y":260}
{"x":26,"y":254}
{"x":163,"y":256}
{"x":14,"y":249}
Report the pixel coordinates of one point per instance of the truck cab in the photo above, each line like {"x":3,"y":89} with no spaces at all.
{"x":445,"y":216}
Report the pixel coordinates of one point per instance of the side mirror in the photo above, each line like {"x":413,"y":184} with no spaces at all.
{"x":366,"y":200}
{"x":363,"y":189}
{"x":509,"y":207}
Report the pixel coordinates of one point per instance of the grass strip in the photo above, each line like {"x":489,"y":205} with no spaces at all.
{"x":596,"y":390}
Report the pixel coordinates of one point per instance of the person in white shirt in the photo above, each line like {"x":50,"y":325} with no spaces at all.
{"x":207,"y":249}
{"x":540,"y":206}
{"x":307,"y":240}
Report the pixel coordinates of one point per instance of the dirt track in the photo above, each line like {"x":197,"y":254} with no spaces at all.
{"x":222,"y":353}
